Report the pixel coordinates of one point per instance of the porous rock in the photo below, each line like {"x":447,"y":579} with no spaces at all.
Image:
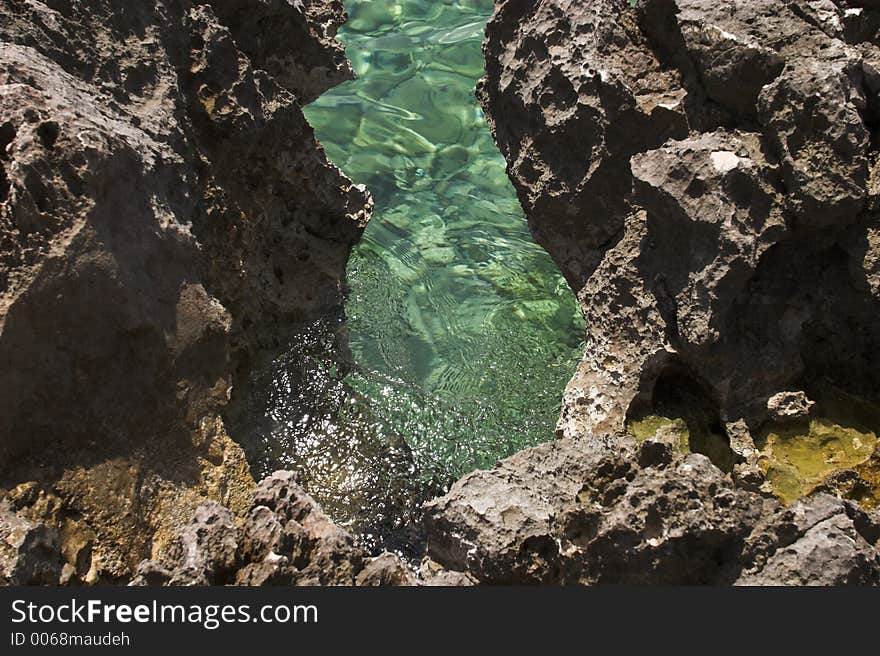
{"x":704,"y":174}
{"x":284,"y":539}
{"x":29,"y":553}
{"x":166,"y":215}
{"x":789,"y":405}
{"x":596,"y":510}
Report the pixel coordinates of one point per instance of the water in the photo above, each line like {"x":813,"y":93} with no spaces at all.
{"x":462,"y":332}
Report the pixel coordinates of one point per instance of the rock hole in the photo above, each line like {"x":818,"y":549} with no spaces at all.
{"x":679,"y":402}
{"x":48,"y":132}
{"x":871,"y":112}
{"x":696,"y":188}
{"x":5,"y":185}
{"x":38,"y":193}
{"x":7,"y":134}
{"x":564,"y":95}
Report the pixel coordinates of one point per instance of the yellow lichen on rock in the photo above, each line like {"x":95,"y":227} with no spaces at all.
{"x":693,"y":437}
{"x":800,"y":457}
{"x":115,"y":510}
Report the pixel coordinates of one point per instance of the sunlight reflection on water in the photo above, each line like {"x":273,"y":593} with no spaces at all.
{"x":462,"y":331}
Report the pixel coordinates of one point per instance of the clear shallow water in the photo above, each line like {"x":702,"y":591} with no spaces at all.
{"x":461,"y":330}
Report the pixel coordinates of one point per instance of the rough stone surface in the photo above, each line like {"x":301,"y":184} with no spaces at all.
{"x":29,"y":553}
{"x":705,"y":175}
{"x":386,"y":570}
{"x":789,"y":405}
{"x":284,"y":539}
{"x":207,"y":548}
{"x":434,"y":574}
{"x":165,"y":215}
{"x":819,"y":540}
{"x":606,"y":510}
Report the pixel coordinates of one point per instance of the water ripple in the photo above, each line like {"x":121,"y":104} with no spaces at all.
{"x":462,"y":332}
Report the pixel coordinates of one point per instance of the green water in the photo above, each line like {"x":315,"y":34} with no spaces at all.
{"x":462,"y":332}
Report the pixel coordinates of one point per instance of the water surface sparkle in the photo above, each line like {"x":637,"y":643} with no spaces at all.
{"x":462,"y":332}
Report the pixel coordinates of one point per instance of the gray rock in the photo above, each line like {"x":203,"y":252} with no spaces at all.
{"x":166,"y":214}
{"x":625,"y":520}
{"x":272,"y":570}
{"x":433,"y":574}
{"x":150,"y":573}
{"x":30,"y":553}
{"x":498,"y":525}
{"x":284,"y":539}
{"x":789,"y":405}
{"x":703,"y":175}
{"x":386,"y":570}
{"x":594,"y":511}
{"x":207,"y":550}
{"x":819,"y":540}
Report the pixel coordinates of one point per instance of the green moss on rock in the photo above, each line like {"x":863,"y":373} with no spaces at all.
{"x":693,"y":437}
{"x":799,"y":457}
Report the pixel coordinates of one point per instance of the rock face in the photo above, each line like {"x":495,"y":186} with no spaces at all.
{"x":606,"y":510}
{"x":165,"y":211}
{"x":284,"y":538}
{"x":29,"y":553}
{"x":705,"y":175}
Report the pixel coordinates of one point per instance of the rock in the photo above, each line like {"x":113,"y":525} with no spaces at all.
{"x":434,"y":574}
{"x":320,"y":550}
{"x":704,"y":176}
{"x":166,"y":215}
{"x":820,"y":540}
{"x":273,"y":570}
{"x":498,"y":525}
{"x":150,"y":573}
{"x":29,"y":552}
{"x":617,"y":520}
{"x":206,"y":552}
{"x":741,"y":442}
{"x":283,"y":539}
{"x":830,"y":553}
{"x":658,"y":451}
{"x":319,"y":61}
{"x":789,"y":405}
{"x":580,"y":511}
{"x":264,"y":532}
{"x":683,"y":525}
{"x":385,"y":570}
